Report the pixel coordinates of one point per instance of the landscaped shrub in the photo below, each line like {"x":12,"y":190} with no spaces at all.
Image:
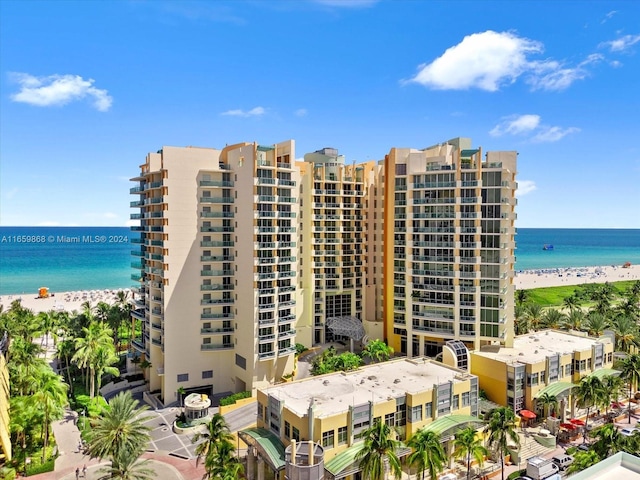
{"x":300,"y":348}
{"x":231,"y":399}
{"x":35,"y":469}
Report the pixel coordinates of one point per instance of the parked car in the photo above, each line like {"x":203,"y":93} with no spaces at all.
{"x":629,"y":431}
{"x":562,"y":461}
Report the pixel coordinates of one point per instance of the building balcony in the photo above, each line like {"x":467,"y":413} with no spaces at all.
{"x":217,"y":258}
{"x":217,"y":229}
{"x":137,"y":253}
{"x":216,"y":287}
{"x":266,"y":181}
{"x":266,"y":338}
{"x":216,"y":316}
{"x":138,"y":344}
{"x":217,"y":301}
{"x":136,"y":277}
{"x":216,"y":273}
{"x":210,"y":243}
{"x":136,"y":203}
{"x":287,"y":214}
{"x":266,"y":213}
{"x":216,"y":199}
{"x":138,"y":313}
{"x":266,"y":198}
{"x":216,"y":214}
{"x":287,"y":334}
{"x":215,"y":183}
{"x":266,"y":355}
{"x":286,"y":351}
{"x":213,"y":346}
{"x":216,"y":331}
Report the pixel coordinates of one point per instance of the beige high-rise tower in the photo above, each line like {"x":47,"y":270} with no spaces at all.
{"x":449,"y":227}
{"x":216,"y":306}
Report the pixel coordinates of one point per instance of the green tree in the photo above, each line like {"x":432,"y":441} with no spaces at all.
{"x":574,"y":320}
{"x":50,"y":397}
{"x":630,"y":373}
{"x":377,"y":350}
{"x":119,"y":431}
{"x":502,"y":431}
{"x":611,"y":388}
{"x":589,"y":393}
{"x":626,"y":331}
{"x":609,"y":440}
{"x":572,"y":303}
{"x":428,"y":453}
{"x":596,"y":323}
{"x":96,"y":337}
{"x":128,"y":467}
{"x":534,"y":315}
{"x":217,"y":450}
{"x":582,"y":461}
{"x":378,"y":455}
{"x":521,"y":297}
{"x":549,"y":403}
{"x":104,"y":359}
{"x":553,"y":318}
{"x":521,"y":320}
{"x":467,"y":445}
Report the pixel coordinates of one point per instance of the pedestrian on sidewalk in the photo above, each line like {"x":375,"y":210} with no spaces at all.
{"x":84,"y":471}
{"x":77,"y":473}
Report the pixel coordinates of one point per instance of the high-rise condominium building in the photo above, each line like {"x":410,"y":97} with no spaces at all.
{"x":333,"y":246}
{"x":216,"y":306}
{"x":244,"y":253}
{"x":449,"y":227}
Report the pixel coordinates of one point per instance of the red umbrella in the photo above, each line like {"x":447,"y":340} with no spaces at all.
{"x":568,"y":426}
{"x":577,"y":421}
{"x":528,"y":414}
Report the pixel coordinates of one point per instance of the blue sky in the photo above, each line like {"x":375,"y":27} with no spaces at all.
{"x":87,"y":88}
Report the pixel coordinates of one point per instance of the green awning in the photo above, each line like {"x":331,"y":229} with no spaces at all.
{"x":468,"y":153}
{"x":449,"y":424}
{"x":341,"y":461}
{"x":269,"y":446}
{"x":605,"y":372}
{"x":555,"y":389}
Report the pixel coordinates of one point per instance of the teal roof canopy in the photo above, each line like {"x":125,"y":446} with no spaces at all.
{"x":555,"y":389}
{"x":449,"y":424}
{"x":269,"y":445}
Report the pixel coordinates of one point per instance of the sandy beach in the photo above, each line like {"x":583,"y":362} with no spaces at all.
{"x":553,"y":277}
{"x":68,"y":301}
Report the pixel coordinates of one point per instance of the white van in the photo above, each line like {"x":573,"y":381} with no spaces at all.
{"x":562,"y":461}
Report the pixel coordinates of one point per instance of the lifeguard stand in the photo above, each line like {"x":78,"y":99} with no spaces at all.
{"x":43,"y":292}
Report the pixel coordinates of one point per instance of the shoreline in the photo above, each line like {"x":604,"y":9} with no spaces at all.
{"x":557,"y":277}
{"x":64,"y":301}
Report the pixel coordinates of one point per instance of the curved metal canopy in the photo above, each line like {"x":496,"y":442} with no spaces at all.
{"x":348,"y":326}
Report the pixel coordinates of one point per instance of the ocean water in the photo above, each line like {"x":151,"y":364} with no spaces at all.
{"x":92,"y":258}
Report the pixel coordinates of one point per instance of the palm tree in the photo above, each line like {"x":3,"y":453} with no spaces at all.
{"x":96,"y":336}
{"x":378,"y":454}
{"x":377,"y":351}
{"x":572,"y":303}
{"x":104,"y":359}
{"x":553,"y":318}
{"x":217,"y":450}
{"x":466,"y":445}
{"x":574,"y":320}
{"x":521,"y":320}
{"x":127,"y":467}
{"x":502,"y":430}
{"x":50,"y":397}
{"x":428,"y":453}
{"x":630,"y":373}
{"x":534,"y":315}
{"x":145,"y":364}
{"x":596,"y":324}
{"x":626,"y":331}
{"x":589,"y":394}
{"x":547,"y":400}
{"x":611,"y":387}
{"x":609,"y":440}
{"x":181,"y":391}
{"x":120,"y":430}
{"x":521,"y":297}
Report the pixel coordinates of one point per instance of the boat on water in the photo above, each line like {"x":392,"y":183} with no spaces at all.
{"x":547,"y":247}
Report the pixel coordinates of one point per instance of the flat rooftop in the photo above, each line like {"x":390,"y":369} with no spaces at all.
{"x":536,"y":347}
{"x":621,"y":465}
{"x":334,"y":393}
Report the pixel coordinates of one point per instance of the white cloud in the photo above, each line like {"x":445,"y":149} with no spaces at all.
{"x":347,"y":3}
{"x":525,"y":187}
{"x":609,"y":16}
{"x":515,"y":125}
{"x":615,"y":64}
{"x":132,"y":223}
{"x":490,"y":60}
{"x":484,"y":60}
{"x":110,"y":215}
{"x":55,"y":90}
{"x":530,"y":124}
{"x":301,"y":112}
{"x":621,"y":44}
{"x":254,"y":112}
{"x":553,"y":134}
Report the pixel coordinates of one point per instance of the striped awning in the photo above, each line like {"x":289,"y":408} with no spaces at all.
{"x":555,"y":389}
{"x":269,"y":446}
{"x":605,"y":372}
{"x":337,"y":465}
{"x":449,"y":424}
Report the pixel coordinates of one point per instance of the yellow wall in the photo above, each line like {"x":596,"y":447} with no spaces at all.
{"x":5,"y":440}
{"x":492,"y":377}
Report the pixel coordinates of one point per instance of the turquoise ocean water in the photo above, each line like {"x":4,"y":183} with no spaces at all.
{"x":91,"y":258}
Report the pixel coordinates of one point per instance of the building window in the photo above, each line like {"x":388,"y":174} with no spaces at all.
{"x":260,"y":411}
{"x":390,"y":419}
{"x":342,"y":435}
{"x":295,"y":434}
{"x":532,"y":379}
{"x":456,"y":402}
{"x":241,"y":362}
{"x":327,"y":439}
{"x":466,"y":399}
{"x":207,"y":374}
{"x":416,"y":414}
{"x":287,"y":430}
{"x":183,"y":377}
{"x":428,"y":410}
